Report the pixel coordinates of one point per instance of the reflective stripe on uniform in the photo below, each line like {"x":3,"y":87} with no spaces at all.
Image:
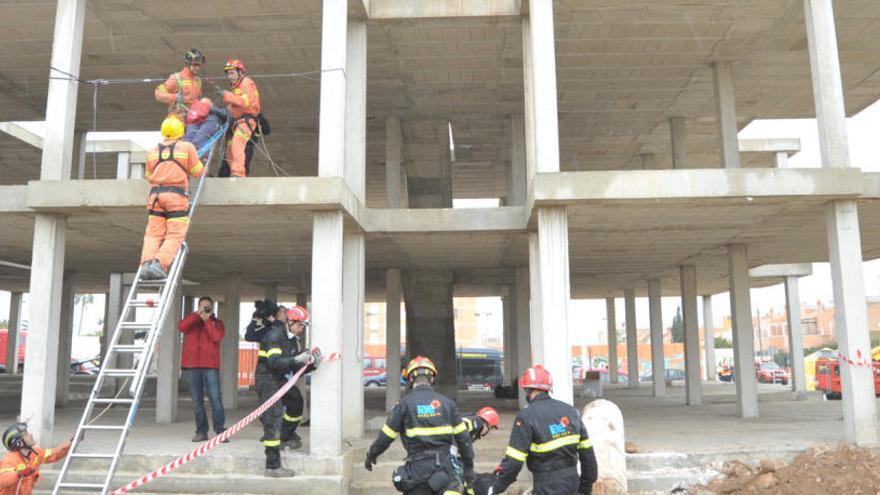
{"x":389,"y":432}
{"x":462,"y":427}
{"x":516,"y":455}
{"x":47,"y":454}
{"x":451,"y":492}
{"x":470,"y":424}
{"x":429,"y":431}
{"x":541,"y":448}
{"x":292,"y":419}
{"x":272,"y":443}
{"x":585,"y":444}
{"x":269,"y":353}
{"x":241,"y":134}
{"x":195,"y":170}
{"x":179,"y":219}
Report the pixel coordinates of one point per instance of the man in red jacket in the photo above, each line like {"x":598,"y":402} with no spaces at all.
{"x":200,"y":360}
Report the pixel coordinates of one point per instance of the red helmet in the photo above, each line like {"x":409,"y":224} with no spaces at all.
{"x":234,"y":63}
{"x":297,"y":313}
{"x":536,"y":377}
{"x":490,"y":416}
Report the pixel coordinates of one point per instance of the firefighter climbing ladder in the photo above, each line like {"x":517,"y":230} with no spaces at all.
{"x":120,"y":363}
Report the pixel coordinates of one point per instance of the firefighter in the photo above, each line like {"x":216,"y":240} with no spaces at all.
{"x":430,"y":425}
{"x":296,"y":319}
{"x":277,"y":361}
{"x":480,"y":424}
{"x":183,"y":88}
{"x":243,"y":103}
{"x":169,"y":166}
{"x":551,"y":438}
{"x":20,"y":469}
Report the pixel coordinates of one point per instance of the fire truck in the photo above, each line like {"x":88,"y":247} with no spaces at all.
{"x":828,"y":377}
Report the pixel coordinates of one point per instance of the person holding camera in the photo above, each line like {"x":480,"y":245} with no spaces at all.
{"x":200,"y":361}
{"x":280,"y":357}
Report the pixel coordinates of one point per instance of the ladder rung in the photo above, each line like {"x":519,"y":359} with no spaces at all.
{"x":135,"y":325}
{"x":150,"y":303}
{"x":152,"y":283}
{"x":120,"y":373}
{"x":92,"y":456}
{"x":99,"y":400}
{"x":81,"y":485}
{"x":127,"y":348}
{"x":102,"y":427}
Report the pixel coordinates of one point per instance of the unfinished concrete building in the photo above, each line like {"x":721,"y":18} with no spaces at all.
{"x":606,"y":130}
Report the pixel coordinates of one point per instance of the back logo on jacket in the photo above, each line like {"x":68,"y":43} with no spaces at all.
{"x":560,"y":428}
{"x":428,"y":410}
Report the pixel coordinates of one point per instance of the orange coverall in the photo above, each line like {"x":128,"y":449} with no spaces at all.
{"x":11,"y":481}
{"x":243,"y":103}
{"x":185,"y":82}
{"x":169,"y":166}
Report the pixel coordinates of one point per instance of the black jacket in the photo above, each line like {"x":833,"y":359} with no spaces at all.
{"x":426,"y":421}
{"x":548,"y":435}
{"x":277,"y":351}
{"x":475,"y":425}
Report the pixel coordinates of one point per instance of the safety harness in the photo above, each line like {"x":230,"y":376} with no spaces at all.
{"x":195,"y":81}
{"x":157,"y":190}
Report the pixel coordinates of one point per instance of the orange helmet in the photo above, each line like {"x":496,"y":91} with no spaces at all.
{"x":536,"y":377}
{"x":234,"y":63}
{"x":490,"y":416}
{"x":420,"y":365}
{"x":297,"y":313}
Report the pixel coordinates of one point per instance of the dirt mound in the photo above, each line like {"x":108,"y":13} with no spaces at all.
{"x":820,"y":471}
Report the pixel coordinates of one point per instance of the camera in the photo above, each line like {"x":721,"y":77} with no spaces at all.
{"x":208,"y":309}
{"x":265,"y":309}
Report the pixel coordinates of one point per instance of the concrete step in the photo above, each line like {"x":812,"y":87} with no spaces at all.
{"x":221,"y":482}
{"x":386,"y":488}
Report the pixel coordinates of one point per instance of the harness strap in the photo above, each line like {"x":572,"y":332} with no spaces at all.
{"x":169,"y":214}
{"x":164,"y":189}
{"x":170,"y":156}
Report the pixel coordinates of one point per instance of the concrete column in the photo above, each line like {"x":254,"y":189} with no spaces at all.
{"x":393,"y":161}
{"x":189,"y":305}
{"x":13,"y":338}
{"x":229,"y":345}
{"x":554,"y":290}
{"x":678,"y":135}
{"x":430,"y":323}
{"x":529,"y":103}
{"x":508,"y":303}
{"x":693,"y":384}
{"x":781,"y":159}
{"x":41,"y":360}
{"x":353,"y":336}
{"x":331,"y":133}
{"x":543,"y":71}
{"x":523,"y":330}
{"x":611,"y":318}
{"x":632,"y":339}
{"x":658,"y":358}
{"x":392,"y":336}
{"x":516,"y":186}
{"x":168,"y":362}
{"x":115,"y":298}
{"x":65,"y":339}
{"x":795,"y":337}
{"x":535,"y":325}
{"x":79,"y":153}
{"x":743,"y":332}
{"x":842,"y":227}
{"x":725,"y":114}
{"x":356,"y":109}
{"x":327,"y":287}
{"x":709,"y":339}
{"x":123,"y":165}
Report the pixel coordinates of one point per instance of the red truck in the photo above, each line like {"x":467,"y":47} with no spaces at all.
{"x":828,"y":377}
{"x":21,"y":346}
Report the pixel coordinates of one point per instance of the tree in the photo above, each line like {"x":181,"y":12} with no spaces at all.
{"x":677,"y":327}
{"x":722,"y":343}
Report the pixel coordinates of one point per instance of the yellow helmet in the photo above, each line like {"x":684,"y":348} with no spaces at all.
{"x":172,"y":127}
{"x":420,"y":365}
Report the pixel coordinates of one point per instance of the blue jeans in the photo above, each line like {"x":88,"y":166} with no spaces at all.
{"x":199,"y":381}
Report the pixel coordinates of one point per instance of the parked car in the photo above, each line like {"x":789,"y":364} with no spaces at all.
{"x":671,"y":374}
{"x":770,"y":372}
{"x":373,"y":381}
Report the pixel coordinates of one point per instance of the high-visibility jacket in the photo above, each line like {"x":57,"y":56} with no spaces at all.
{"x":183,"y":82}
{"x":171,"y":163}
{"x":277,"y":351}
{"x":244,"y":99}
{"x":15,"y":463}
{"x":548,"y":435}
{"x":426,"y":421}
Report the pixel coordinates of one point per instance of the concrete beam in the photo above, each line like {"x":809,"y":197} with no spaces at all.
{"x":13,"y":199}
{"x":409,"y":9}
{"x":782,"y":270}
{"x":445,"y":219}
{"x":770,"y":145}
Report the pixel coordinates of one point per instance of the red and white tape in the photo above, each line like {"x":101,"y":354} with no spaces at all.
{"x":859,"y":361}
{"x":212,"y":443}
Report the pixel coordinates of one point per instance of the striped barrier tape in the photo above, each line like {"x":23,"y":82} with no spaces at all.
{"x":212,"y":443}
{"x":859,"y":361}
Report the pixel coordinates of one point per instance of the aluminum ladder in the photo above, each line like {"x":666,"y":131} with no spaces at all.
{"x":128,"y":329}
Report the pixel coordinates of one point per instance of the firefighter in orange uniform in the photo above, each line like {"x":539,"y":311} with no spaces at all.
{"x":169,"y":166}
{"x":20,"y":469}
{"x":243,"y":103}
{"x":183,"y":88}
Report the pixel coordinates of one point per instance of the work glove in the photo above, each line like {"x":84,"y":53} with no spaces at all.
{"x":585,"y":489}
{"x":304,"y":358}
{"x":470,"y":476}
{"x":316,"y":354}
{"x":369,"y":462}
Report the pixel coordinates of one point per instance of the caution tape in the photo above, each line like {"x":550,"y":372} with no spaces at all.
{"x":859,"y":361}
{"x":212,"y":443}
